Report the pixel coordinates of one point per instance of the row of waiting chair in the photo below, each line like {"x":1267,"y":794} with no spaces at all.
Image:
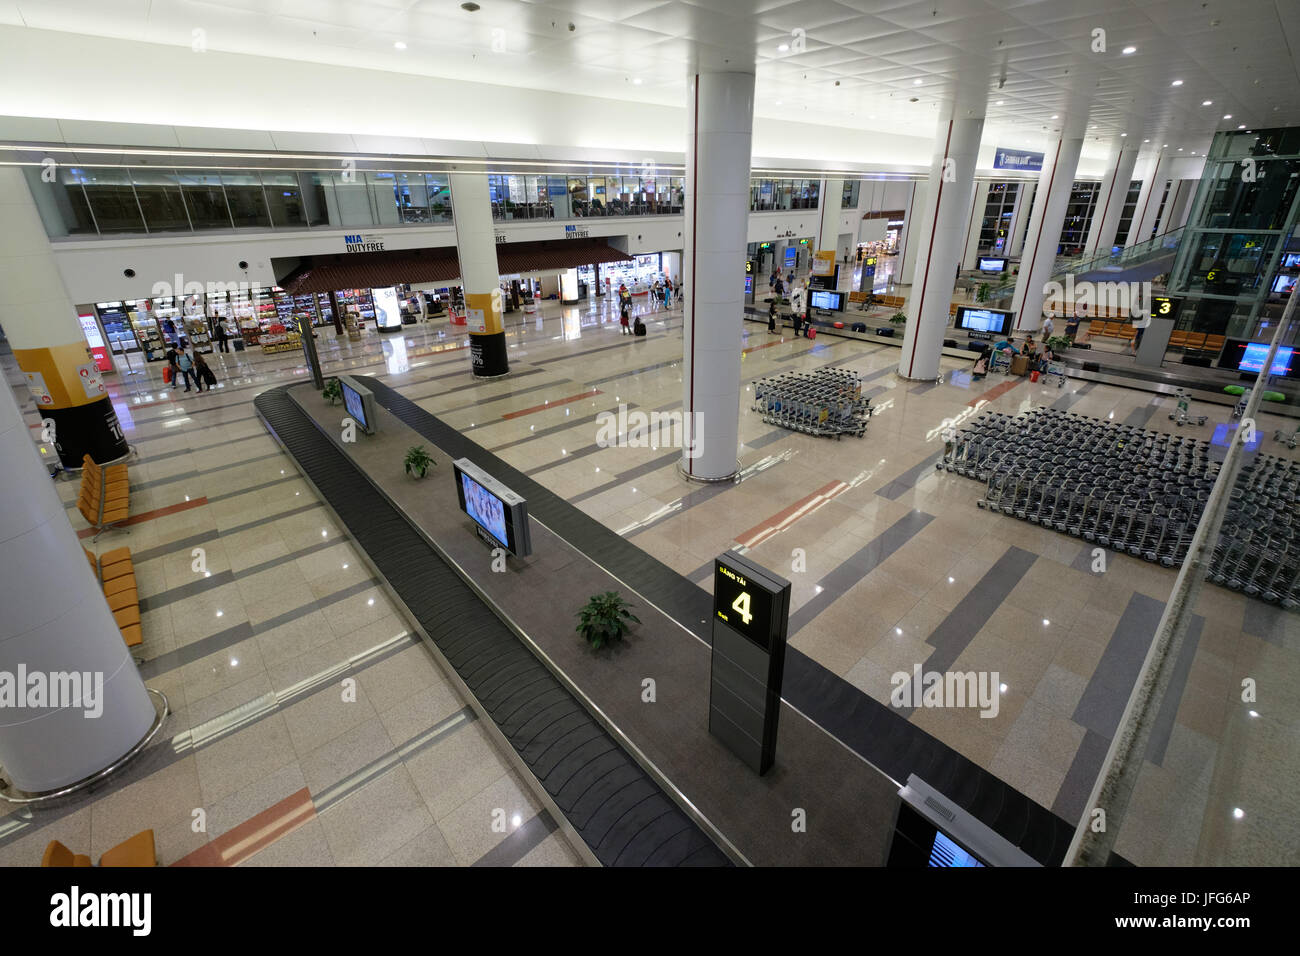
{"x":105,"y":495}
{"x":137,"y":851}
{"x":116,"y":573}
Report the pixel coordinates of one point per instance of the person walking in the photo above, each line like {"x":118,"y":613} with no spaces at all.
{"x":771,"y":315}
{"x":656,"y":295}
{"x":668,"y":293}
{"x":185,"y":364}
{"x":624,"y":313}
{"x":223,"y":336}
{"x":173,"y":370}
{"x":203,"y":373}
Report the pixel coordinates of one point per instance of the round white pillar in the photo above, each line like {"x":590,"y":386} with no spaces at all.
{"x":56,"y":624}
{"x":941,"y":238}
{"x":476,"y":247}
{"x":1045,"y":223}
{"x":718,"y":146}
{"x":1020,"y":218}
{"x":46,"y":336}
{"x":1110,"y":202}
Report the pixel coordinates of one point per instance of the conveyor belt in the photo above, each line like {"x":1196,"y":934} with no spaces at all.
{"x":618,"y":810}
{"x":876,"y":732}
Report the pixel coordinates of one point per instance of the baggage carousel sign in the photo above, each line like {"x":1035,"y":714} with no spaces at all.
{"x":751,"y":612}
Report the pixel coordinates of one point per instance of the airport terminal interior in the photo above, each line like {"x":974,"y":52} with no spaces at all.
{"x":649,"y":433}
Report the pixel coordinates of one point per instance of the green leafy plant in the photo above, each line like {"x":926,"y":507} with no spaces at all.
{"x":417,"y":461}
{"x":982,"y":292}
{"x":898,"y":318}
{"x":604,"y":619}
{"x":333,"y":391}
{"x":1058,"y":343}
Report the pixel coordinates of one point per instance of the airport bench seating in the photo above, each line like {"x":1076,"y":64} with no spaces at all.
{"x":1117,"y":330}
{"x":105,"y":497}
{"x":1190,"y":342}
{"x":139,"y":850}
{"x":116,"y":574}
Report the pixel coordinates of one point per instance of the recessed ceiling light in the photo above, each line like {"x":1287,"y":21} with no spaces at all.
{"x":470,"y":7}
{"x":1129,"y":49}
{"x":1164,"y":145}
{"x":778,"y":102}
{"x":636,"y":81}
{"x":1180,"y":149}
{"x":399,"y":45}
{"x":1122,"y":135}
{"x":999,"y":103}
{"x":1146,"y":140}
{"x":1242,"y":126}
{"x":1207,"y":102}
{"x":1176,"y":83}
{"x":783,"y":47}
{"x":1227,"y":116}
{"x":1238,"y":813}
{"x":916,"y":82}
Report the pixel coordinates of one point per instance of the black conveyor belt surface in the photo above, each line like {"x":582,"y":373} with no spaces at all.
{"x":876,"y":732}
{"x":618,"y":810}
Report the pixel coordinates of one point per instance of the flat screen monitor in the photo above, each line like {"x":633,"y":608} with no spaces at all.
{"x":500,"y":514}
{"x":1291,"y":260}
{"x":1282,"y":285}
{"x":993,"y":321}
{"x":992,"y":264}
{"x":749,"y":285}
{"x":1242,"y":356}
{"x":388,"y":313}
{"x":359,"y":402}
{"x":831,"y":301}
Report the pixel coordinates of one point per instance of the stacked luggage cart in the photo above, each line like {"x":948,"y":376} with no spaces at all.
{"x":1137,"y":491}
{"x":824,"y":402}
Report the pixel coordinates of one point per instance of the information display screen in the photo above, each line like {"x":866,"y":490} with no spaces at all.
{"x":1291,"y":260}
{"x":1165,"y":307}
{"x":388,"y":314}
{"x":994,"y":321}
{"x":485,"y":509}
{"x":832,"y":301}
{"x":1282,"y":285}
{"x":992,"y":264}
{"x":1254,"y":355}
{"x":743,"y":604}
{"x":356,"y":405}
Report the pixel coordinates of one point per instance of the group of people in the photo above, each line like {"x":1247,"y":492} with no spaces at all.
{"x":181,"y":363}
{"x":660,"y":294}
{"x":1039,"y":355}
{"x":798,"y":300}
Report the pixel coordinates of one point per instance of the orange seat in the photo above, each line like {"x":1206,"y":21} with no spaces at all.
{"x":1214,"y":343}
{"x":1195,"y":340}
{"x":122,"y":600}
{"x":114,"y":556}
{"x":116,"y":586}
{"x":1177,"y":340}
{"x":127,"y":616}
{"x":137,"y":851}
{"x":114,"y":572}
{"x":132,"y":634}
{"x":88,"y":512}
{"x":56,"y":854}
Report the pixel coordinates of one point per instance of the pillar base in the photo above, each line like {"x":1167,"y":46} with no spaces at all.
{"x":12,"y":795}
{"x":709,"y":481}
{"x":488,"y":355}
{"x":91,"y":429}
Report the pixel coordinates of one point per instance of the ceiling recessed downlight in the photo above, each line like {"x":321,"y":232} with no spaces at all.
{"x":999,"y":103}
{"x":399,"y":45}
{"x":1176,"y":83}
{"x":1207,"y":102}
{"x":1055,"y":116}
{"x":470,"y":7}
{"x":1129,"y":49}
{"x":1227,"y":116}
{"x":917,"y":82}
{"x":783,"y":47}
{"x":636,"y":81}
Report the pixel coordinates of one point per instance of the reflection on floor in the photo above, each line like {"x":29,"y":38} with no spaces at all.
{"x":892,"y":564}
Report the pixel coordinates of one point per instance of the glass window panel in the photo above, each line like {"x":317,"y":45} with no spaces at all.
{"x":159,"y":195}
{"x":439,"y":197}
{"x":317,"y":197}
{"x":244,"y":194}
{"x":412,"y":197}
{"x":112,"y":200}
{"x":383,"y":190}
{"x":351,"y":201}
{"x":284,"y":196}
{"x":204,"y":198}
{"x":62,"y":204}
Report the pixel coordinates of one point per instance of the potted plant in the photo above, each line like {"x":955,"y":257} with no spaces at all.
{"x":333,"y":391}
{"x":982,"y":292}
{"x":898,"y":318}
{"x":604,"y":619}
{"x":417,"y":461}
{"x":1059,"y":343}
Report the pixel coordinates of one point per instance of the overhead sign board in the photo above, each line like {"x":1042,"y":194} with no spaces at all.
{"x":1017,"y":159}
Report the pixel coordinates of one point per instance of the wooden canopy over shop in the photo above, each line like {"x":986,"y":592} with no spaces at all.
{"x":377,"y":270}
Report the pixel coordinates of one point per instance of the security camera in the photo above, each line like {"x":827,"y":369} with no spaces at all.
{"x":572,"y":27}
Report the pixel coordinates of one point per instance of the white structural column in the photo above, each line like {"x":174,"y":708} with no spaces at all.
{"x":41,"y":325}
{"x":910,"y":238}
{"x":1148,"y":203}
{"x":941,"y":238}
{"x":1110,"y":201}
{"x":1039,"y":255}
{"x":718,"y":144}
{"x":828,"y":230}
{"x":979,"y":200}
{"x":476,"y":246}
{"x":1015,"y":245}
{"x":56,"y":629}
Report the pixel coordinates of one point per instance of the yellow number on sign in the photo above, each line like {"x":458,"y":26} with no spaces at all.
{"x":741,"y":607}
{"x":1165,"y":307}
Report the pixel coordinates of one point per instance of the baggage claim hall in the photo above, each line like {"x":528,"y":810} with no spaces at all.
{"x":662,"y":433}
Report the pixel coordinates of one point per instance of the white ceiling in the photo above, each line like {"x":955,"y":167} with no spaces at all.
{"x":1034,"y":56}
